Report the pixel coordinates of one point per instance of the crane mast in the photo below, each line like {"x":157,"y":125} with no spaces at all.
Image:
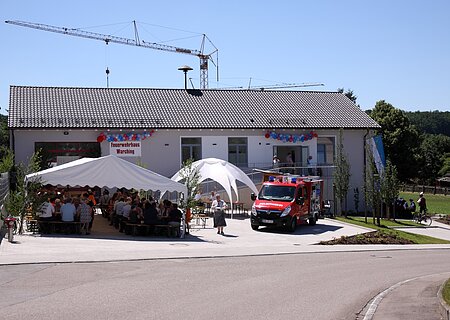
{"x":204,"y":58}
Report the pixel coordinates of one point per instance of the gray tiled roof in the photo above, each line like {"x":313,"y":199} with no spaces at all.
{"x":59,"y":107}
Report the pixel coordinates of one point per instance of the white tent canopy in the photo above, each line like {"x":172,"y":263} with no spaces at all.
{"x":109,"y":171}
{"x":222,"y":172}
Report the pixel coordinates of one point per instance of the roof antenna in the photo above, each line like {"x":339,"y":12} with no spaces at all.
{"x":185,"y":69}
{"x":192,"y":84}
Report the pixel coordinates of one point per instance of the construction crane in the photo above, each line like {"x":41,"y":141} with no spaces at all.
{"x":275,"y":86}
{"x":204,"y":57}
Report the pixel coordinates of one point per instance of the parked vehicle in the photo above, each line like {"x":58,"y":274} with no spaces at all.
{"x":286,"y":201}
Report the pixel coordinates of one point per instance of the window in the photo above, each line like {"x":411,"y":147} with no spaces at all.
{"x":237,"y":151}
{"x":54,"y":153}
{"x":191,"y":148}
{"x":325,"y":150}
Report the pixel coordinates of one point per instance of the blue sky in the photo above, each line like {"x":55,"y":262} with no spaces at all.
{"x":398,"y":51}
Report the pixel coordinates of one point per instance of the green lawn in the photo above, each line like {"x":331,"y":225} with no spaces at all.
{"x":436,"y":204}
{"x":446,"y":292}
{"x":416,"y":238}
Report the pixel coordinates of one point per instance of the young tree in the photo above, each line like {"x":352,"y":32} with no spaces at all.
{"x":341,"y":174}
{"x":371,"y":185}
{"x":191,"y":178}
{"x":25,"y":196}
{"x":389,"y":186}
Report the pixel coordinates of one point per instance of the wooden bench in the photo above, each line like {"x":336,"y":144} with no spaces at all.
{"x":200,"y":219}
{"x":64,"y":224}
{"x":133,"y":227}
{"x":32,"y":225}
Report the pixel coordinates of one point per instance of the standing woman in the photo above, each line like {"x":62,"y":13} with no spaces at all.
{"x":218,"y":206}
{"x":84,"y":212}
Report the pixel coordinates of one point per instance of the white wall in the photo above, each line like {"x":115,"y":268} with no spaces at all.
{"x":162,"y":152}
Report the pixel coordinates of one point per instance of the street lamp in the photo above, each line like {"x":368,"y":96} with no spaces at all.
{"x":185,"y":69}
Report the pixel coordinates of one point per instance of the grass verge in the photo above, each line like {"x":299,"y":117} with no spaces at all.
{"x":384,"y":230}
{"x":446,"y":292}
{"x":436,"y":203}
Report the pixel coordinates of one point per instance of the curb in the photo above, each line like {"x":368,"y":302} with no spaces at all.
{"x":444,"y":308}
{"x":375,"y":302}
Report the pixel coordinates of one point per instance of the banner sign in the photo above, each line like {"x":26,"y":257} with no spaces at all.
{"x":378,"y":153}
{"x":125,"y":148}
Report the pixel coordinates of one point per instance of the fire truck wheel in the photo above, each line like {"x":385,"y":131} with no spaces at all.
{"x":312,"y":220}
{"x":293,"y":224}
{"x":255,"y":227}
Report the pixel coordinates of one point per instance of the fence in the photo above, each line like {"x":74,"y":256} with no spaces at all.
{"x":425,"y":189}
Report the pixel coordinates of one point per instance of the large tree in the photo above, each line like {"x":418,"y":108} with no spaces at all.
{"x":435,"y":122}
{"x":349,"y":94}
{"x":400,"y":139}
{"x":432,"y":155}
{"x":4,"y":134}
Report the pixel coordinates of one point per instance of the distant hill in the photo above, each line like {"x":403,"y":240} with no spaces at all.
{"x":434,"y":122}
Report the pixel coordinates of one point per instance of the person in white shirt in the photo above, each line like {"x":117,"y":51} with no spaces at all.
{"x":45,"y":213}
{"x":218,"y":206}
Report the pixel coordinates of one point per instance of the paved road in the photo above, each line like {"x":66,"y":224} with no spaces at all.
{"x":292,"y":286}
{"x":267,"y":274}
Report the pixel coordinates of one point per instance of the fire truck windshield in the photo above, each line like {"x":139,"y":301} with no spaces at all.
{"x":277,"y":192}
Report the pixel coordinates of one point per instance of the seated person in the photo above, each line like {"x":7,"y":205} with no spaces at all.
{"x":412,"y":206}
{"x":198,"y":199}
{"x":164,"y":213}
{"x":126,"y":210}
{"x":174,"y":218}
{"x":46,"y":213}
{"x":57,"y":206}
{"x":150,"y":213}
{"x":68,"y":213}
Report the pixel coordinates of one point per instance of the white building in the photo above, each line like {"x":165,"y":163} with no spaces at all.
{"x":161,"y":128}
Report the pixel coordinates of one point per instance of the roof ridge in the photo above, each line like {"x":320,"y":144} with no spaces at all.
{"x":173,"y":89}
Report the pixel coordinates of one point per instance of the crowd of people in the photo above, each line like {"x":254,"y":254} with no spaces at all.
{"x":407,"y":209}
{"x":64,"y":208}
{"x":120,"y":208}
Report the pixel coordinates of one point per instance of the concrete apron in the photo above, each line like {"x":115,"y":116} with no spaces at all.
{"x":106,"y":244}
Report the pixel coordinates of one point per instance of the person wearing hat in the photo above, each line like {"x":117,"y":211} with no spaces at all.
{"x":422,"y":202}
{"x":218,"y":206}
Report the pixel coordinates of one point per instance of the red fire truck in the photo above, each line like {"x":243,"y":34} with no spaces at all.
{"x":286,"y":201}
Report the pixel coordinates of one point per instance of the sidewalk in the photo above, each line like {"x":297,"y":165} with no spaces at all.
{"x":414,"y":299}
{"x":437,"y":230}
{"x":106,"y":244}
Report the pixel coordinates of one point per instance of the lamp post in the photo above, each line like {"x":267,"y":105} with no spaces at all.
{"x":185,"y":69}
